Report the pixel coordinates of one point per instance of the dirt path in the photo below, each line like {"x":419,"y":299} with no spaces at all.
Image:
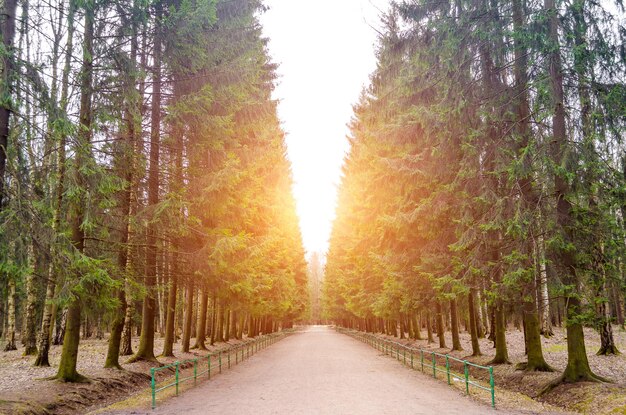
{"x":319,"y":371}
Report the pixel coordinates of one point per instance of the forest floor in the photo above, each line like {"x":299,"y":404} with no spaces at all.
{"x":586,"y":397}
{"x":25,"y":389}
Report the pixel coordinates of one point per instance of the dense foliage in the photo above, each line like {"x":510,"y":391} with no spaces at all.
{"x":486,"y":179}
{"x":144,"y":178}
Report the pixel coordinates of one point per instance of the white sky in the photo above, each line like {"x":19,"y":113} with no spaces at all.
{"x":325,"y":51}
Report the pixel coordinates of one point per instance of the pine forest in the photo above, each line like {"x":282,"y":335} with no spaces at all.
{"x":166,"y":172}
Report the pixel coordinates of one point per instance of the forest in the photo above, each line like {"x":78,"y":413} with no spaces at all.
{"x":485,"y":186}
{"x":144,"y":184}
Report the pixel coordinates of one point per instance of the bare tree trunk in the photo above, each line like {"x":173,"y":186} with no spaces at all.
{"x":577,"y":368}
{"x":454,"y":323}
{"x":145,"y":351}
{"x":188,"y":316}
{"x":201,"y":323}
{"x":10,"y":332}
{"x":544,"y":300}
{"x":8,"y":34}
{"x":30,"y":332}
{"x":69,"y":354}
{"x":472,"y":322}
{"x":429,"y":328}
{"x":440,"y":332}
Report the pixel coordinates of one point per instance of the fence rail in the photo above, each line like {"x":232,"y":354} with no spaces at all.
{"x":211,"y":362}
{"x":437,"y":362}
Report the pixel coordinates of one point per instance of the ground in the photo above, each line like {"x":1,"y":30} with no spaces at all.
{"x":587,"y":398}
{"x":25,"y":389}
{"x":319,"y":361}
{"x":319,"y":371}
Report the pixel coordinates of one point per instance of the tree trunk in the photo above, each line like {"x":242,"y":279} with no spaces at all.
{"x":227,"y":325}
{"x":607,"y":341}
{"x":10,"y":332}
{"x":429,"y":328}
{"x":30,"y":332}
{"x":472,"y":322}
{"x":502,"y":351}
{"x":480,"y":328}
{"x":170,"y":335}
{"x":544,"y":299}
{"x":8,"y":35}
{"x":145,"y":351}
{"x":69,"y":354}
{"x":188,"y":316}
{"x":60,"y":328}
{"x":50,"y":308}
{"x":454,"y":317}
{"x":69,"y":357}
{"x":126,"y":348}
{"x":233,"y":324}
{"x":536,"y":361}
{"x":440,"y":332}
{"x":201,"y":323}
{"x":416,"y":327}
{"x":577,"y":363}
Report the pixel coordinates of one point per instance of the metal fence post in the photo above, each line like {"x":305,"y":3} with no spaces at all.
{"x":219,"y":359}
{"x":466,"y":376}
{"x":229,"y":359}
{"x":153,"y":387}
{"x":411,"y":359}
{"x":434,"y":366}
{"x":177,"y":364}
{"x":448,"y":368}
{"x":493,"y":390}
{"x":422,"y":359}
{"x":209,"y":364}
{"x":195,"y":370}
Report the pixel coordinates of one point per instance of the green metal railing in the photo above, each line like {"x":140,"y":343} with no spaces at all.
{"x":211,"y":362}
{"x":428,"y":360}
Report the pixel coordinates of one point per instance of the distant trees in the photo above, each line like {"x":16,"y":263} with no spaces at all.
{"x":485,"y":178}
{"x":315,"y":278}
{"x":145,"y":177}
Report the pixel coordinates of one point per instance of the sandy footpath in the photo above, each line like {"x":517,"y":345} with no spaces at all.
{"x":319,"y":371}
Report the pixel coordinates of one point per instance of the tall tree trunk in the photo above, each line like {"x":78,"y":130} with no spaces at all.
{"x":69,"y":354}
{"x":145,"y":351}
{"x":170,"y":335}
{"x":577,"y":368}
{"x":472,"y":322}
{"x":440,"y":332}
{"x":454,"y":317}
{"x":132,"y":121}
{"x":429,"y":328}
{"x":201,"y":322}
{"x":544,"y":299}
{"x":214,"y":320}
{"x":10,"y":332}
{"x":8,"y":35}
{"x":416,"y":327}
{"x":227,"y":325}
{"x":30,"y":332}
{"x":188,"y":316}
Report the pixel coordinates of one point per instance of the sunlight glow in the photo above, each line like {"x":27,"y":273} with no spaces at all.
{"x":325,"y":51}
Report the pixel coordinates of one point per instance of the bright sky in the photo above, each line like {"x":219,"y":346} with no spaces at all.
{"x":325,"y":49}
